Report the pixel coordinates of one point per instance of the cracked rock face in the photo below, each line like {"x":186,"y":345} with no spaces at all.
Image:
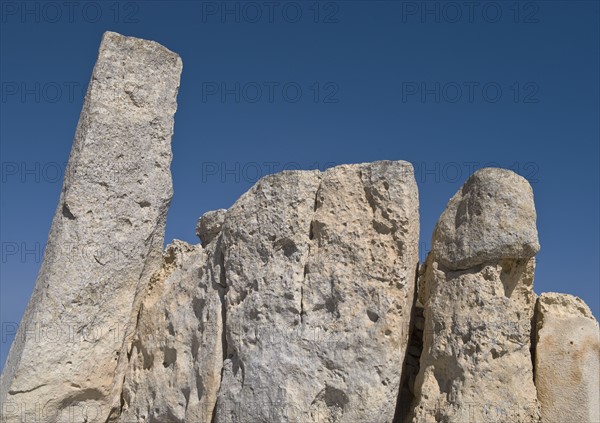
{"x":476,"y":361}
{"x":319,"y":269}
{"x":299,"y":306}
{"x":567,"y":358}
{"x":175,"y":361}
{"x":106,"y":238}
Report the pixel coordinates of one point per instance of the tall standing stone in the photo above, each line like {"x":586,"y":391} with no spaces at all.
{"x":567,"y":360}
{"x":105,"y":241}
{"x":319,"y":270}
{"x":476,"y":289}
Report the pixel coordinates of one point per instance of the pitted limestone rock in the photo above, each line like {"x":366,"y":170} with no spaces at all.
{"x":567,"y":358}
{"x":477,"y":291}
{"x":320,"y":270}
{"x":209,"y":225}
{"x":176,"y":357}
{"x":492,"y":217}
{"x":297,"y":305}
{"x":106,"y":237}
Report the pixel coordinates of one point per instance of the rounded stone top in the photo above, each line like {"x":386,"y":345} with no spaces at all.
{"x":492,"y":217}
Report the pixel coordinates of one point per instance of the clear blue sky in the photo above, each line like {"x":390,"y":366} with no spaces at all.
{"x":449,"y":89}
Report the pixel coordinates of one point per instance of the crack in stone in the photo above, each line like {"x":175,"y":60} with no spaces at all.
{"x":220,"y":285}
{"x":311,"y":236}
{"x":25,"y":391}
{"x":405,"y":401}
{"x":139,"y":296}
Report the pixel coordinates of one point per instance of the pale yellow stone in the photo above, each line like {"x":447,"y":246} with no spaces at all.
{"x":567,"y":359}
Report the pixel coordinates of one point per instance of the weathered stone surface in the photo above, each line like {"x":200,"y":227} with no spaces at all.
{"x":476,"y":357}
{"x":105,"y":241}
{"x":299,"y":306}
{"x":319,"y":270}
{"x":209,"y":225}
{"x":175,"y":364}
{"x":567,"y":357}
{"x":492,"y":217}
{"x":476,"y":363}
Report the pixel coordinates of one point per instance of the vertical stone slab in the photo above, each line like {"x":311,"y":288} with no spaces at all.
{"x":319,"y":269}
{"x":175,"y":363}
{"x":478,"y":302}
{"x":567,"y":360}
{"x":265,"y":243}
{"x":361,"y":282}
{"x":105,"y":241}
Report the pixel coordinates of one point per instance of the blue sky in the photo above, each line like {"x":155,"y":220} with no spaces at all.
{"x":309,"y":85}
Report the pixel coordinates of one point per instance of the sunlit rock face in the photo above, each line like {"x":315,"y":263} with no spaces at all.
{"x":105,"y":242}
{"x":303,"y":302}
{"x":567,"y":358}
{"x":477,"y":291}
{"x":319,"y":270}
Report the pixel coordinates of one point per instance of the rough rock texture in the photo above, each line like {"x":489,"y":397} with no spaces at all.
{"x":476,"y":363}
{"x":319,"y":270}
{"x":209,"y":225}
{"x":567,"y":358}
{"x":105,"y":241}
{"x":300,"y":304}
{"x":492,"y":217}
{"x":175,"y":363}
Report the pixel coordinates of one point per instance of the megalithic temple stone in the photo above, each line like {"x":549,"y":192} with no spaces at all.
{"x":477,"y":289}
{"x":105,"y":241}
